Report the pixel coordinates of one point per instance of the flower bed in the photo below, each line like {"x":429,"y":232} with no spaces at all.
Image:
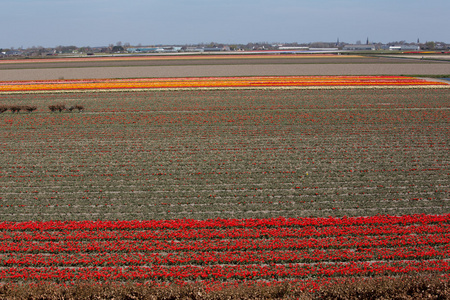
{"x":216,"y":82}
{"x":224,"y":250}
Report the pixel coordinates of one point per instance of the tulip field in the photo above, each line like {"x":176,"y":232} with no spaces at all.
{"x":224,"y":183}
{"x":213,"y":82}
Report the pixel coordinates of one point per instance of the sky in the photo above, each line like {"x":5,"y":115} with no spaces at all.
{"x":50,"y":23}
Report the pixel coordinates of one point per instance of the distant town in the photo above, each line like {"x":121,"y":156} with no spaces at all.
{"x":315,"y":47}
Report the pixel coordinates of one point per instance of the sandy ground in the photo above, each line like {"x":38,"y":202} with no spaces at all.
{"x":225,"y":70}
{"x":424,"y":56}
{"x":208,"y":60}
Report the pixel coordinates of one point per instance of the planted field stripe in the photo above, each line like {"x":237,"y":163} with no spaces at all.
{"x":214,"y":82}
{"x":222,"y":250}
{"x":228,"y":154}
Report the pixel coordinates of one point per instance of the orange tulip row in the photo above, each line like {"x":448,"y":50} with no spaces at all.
{"x":214,"y":82}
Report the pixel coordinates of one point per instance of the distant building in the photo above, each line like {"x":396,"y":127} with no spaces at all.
{"x":293,"y":48}
{"x":142,"y":50}
{"x":359,"y":47}
{"x":213,"y":49}
{"x":206,"y":49}
{"x":323,"y":49}
{"x":404,"y":48}
{"x":193,"y":49}
{"x":13,"y":53}
{"x":154,"y":50}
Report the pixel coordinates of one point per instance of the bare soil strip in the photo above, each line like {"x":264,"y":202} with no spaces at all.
{"x":170,"y":61}
{"x":225,"y":70}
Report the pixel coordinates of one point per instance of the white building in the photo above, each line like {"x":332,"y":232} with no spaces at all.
{"x":404,"y":48}
{"x":359,"y":47}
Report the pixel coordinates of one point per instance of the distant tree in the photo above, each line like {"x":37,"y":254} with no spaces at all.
{"x":117,"y":49}
{"x":430,"y":45}
{"x":3,"y":108}
{"x":67,"y":49}
{"x":15,"y":108}
{"x":30,"y":108}
{"x":57,"y":107}
{"x":319,"y":45}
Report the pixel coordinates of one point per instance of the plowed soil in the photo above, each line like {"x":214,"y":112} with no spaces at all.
{"x":135,"y":67}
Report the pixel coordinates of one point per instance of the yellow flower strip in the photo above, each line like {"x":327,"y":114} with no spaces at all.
{"x":304,"y":87}
{"x":211,"y":82}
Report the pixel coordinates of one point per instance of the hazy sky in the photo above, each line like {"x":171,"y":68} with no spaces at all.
{"x":49,"y":23}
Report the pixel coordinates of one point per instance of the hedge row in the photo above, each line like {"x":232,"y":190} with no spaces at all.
{"x":17,"y":108}
{"x":30,"y":108}
{"x":60,"y":107}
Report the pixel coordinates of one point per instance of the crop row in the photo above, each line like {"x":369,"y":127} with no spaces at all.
{"x":223,"y":273}
{"x":243,"y":257}
{"x":211,"y":82}
{"x":210,"y":234}
{"x":223,"y":250}
{"x":280,"y":222}
{"x":219,"y":245}
{"x":239,"y":154}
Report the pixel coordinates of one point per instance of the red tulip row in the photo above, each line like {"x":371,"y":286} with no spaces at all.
{"x":262,"y":231}
{"x":224,"y":223}
{"x":222,"y":244}
{"x":244,"y":257}
{"x":222,"y":250}
{"x":222,"y":273}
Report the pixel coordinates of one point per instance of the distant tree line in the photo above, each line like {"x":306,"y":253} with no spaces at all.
{"x":30,"y":108}
{"x":60,"y":107}
{"x":17,"y":108}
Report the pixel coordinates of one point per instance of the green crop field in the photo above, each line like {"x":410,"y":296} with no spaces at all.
{"x":293,"y":192}
{"x":229,"y":154}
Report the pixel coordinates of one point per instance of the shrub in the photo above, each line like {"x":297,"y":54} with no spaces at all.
{"x":57,"y":107}
{"x":60,"y":107}
{"x":3,"y":109}
{"x":29,"y":108}
{"x":79,"y":107}
{"x":15,"y":108}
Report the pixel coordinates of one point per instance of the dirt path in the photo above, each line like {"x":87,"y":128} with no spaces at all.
{"x":225,"y":70}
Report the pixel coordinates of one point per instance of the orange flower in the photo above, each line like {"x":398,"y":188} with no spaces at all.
{"x":213,"y":82}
